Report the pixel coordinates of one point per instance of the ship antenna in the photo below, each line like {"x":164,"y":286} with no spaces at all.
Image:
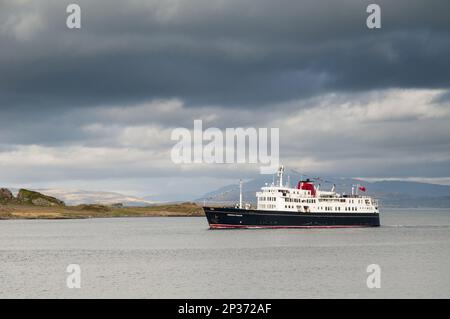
{"x":240,"y":194}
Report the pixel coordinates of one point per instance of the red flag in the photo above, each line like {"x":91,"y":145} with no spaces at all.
{"x":362,"y":188}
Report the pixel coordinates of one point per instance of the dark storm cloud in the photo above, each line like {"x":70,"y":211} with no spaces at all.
{"x":216,"y":52}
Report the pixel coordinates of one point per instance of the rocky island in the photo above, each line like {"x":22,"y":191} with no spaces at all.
{"x":34,"y":205}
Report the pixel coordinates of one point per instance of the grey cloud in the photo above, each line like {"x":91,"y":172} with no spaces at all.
{"x":221,"y":52}
{"x":444,"y":98}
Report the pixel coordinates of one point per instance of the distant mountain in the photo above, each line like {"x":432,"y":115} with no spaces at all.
{"x":77,"y":197}
{"x":391,"y":193}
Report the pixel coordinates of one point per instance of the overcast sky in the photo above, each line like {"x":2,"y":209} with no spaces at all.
{"x":94,"y":108}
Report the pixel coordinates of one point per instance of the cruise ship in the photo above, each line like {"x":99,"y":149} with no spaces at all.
{"x":305,"y":206}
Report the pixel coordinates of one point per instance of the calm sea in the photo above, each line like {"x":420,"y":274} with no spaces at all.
{"x":181,"y":258}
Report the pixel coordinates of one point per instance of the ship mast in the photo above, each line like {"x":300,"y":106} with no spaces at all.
{"x":240,"y":193}
{"x":280,"y":175}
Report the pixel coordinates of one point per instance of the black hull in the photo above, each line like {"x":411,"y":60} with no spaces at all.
{"x":221,"y":218}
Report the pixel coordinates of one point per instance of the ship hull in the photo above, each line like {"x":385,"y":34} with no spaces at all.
{"x":223,"y":218}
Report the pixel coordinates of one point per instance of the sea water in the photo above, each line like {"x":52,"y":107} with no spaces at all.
{"x":179,"y":257}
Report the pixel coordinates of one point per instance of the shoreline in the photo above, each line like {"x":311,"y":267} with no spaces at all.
{"x":20,"y":211}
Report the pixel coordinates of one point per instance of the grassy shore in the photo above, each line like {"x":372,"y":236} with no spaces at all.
{"x":21,"y":211}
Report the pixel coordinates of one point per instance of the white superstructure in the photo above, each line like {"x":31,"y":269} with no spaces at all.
{"x":306,"y":198}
